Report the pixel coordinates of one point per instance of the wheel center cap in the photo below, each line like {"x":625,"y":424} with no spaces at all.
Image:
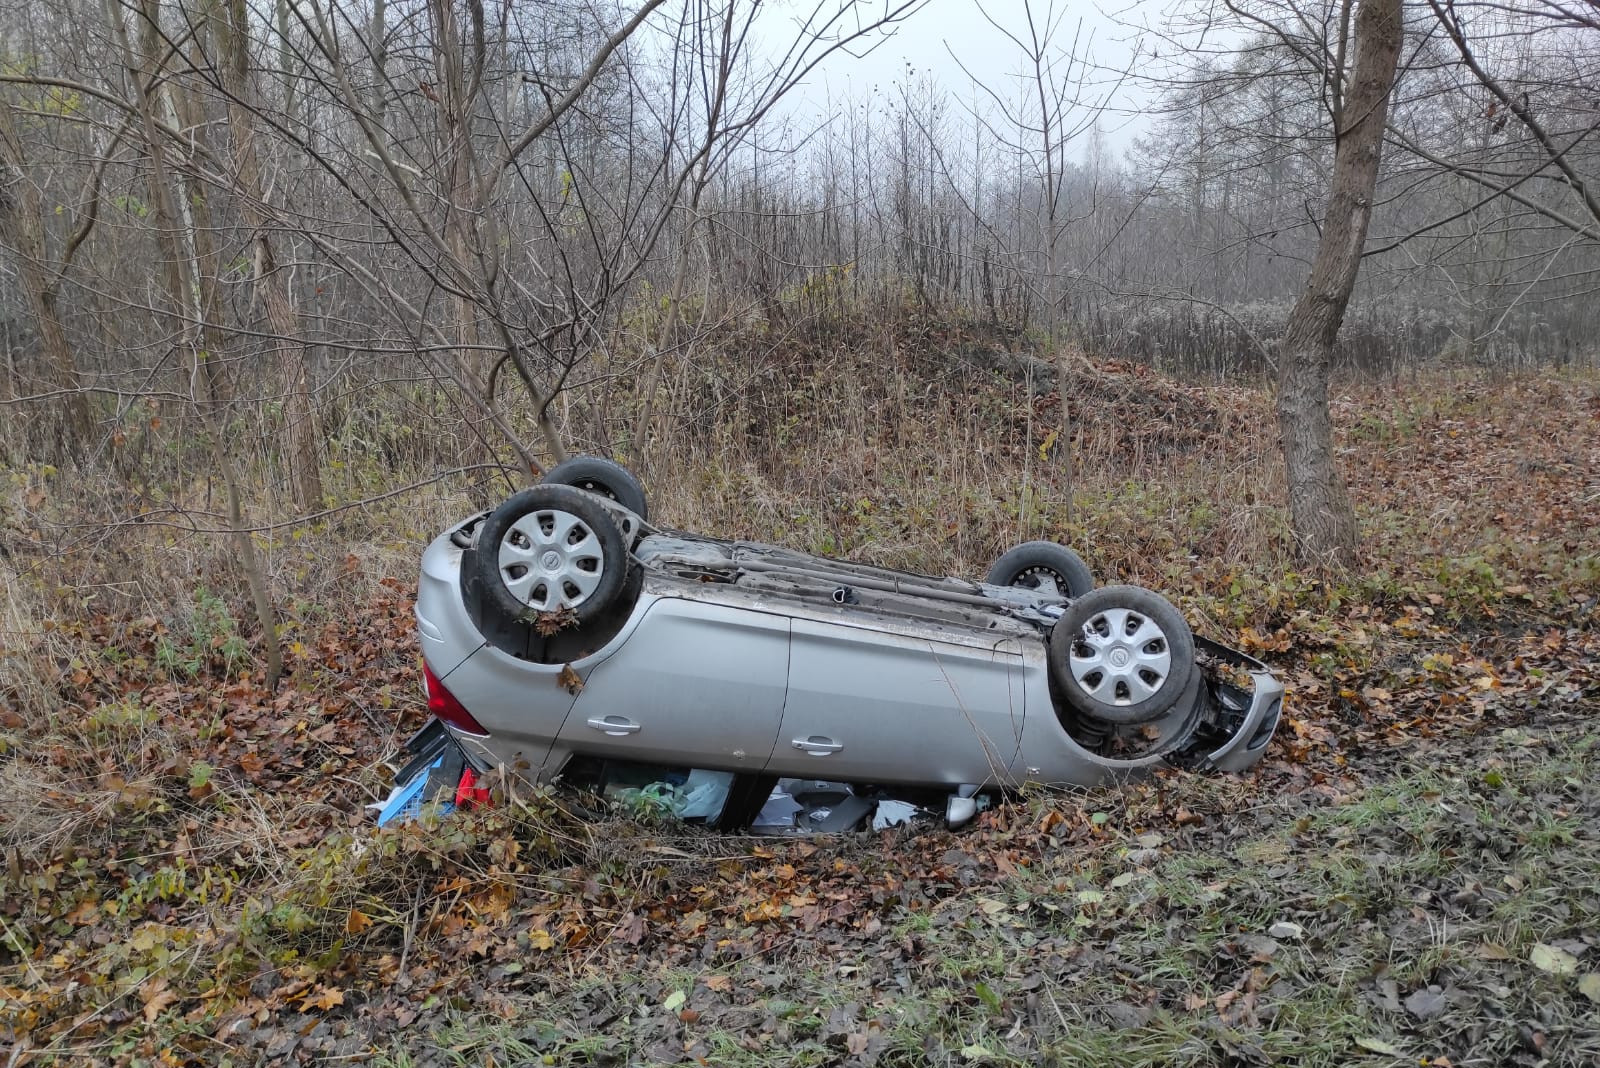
{"x":551,"y":560}
{"x":1119,"y":657}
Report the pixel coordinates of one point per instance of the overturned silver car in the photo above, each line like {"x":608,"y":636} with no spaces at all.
{"x":564,"y":636}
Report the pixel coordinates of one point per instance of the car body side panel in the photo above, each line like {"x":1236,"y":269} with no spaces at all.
{"x":521,"y":705}
{"x":447,"y":634}
{"x":866,"y":705}
{"x":694,"y":678}
{"x":1047,"y":754}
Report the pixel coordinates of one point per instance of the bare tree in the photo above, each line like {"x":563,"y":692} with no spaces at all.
{"x":232,"y":32}
{"x":1552,"y":149}
{"x":182,"y":212}
{"x":22,"y":227}
{"x":1319,"y":504}
{"x":537,"y":280}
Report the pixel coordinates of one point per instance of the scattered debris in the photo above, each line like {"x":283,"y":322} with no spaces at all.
{"x":1285,"y":931}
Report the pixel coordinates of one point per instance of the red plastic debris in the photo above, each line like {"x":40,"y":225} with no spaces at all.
{"x":468,"y":793}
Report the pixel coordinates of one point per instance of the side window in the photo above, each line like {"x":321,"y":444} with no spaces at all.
{"x":764,"y":803}
{"x":654,"y":791}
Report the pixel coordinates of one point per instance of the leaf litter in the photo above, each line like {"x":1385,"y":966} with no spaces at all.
{"x":1409,"y":874}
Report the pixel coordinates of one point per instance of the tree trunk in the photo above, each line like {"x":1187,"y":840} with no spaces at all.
{"x":22,"y":227}
{"x":305,"y":475}
{"x":1319,"y":505}
{"x":459,"y":74}
{"x":188,"y":262}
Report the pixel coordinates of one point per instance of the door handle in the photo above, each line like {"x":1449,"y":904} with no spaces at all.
{"x":817,"y":745}
{"x":615,"y":726}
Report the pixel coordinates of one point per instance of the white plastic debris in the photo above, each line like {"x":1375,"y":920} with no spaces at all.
{"x":892,"y":813}
{"x":703,"y":794}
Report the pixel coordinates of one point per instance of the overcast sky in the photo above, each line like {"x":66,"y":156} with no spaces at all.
{"x":950,"y":39}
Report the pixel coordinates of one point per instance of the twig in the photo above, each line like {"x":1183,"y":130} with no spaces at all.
{"x":21,"y":952}
{"x":411,"y":928}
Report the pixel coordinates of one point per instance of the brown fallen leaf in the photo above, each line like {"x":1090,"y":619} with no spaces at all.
{"x":570,"y":680}
{"x":324,"y":998}
{"x":549,"y":624}
{"x":157,"y":999}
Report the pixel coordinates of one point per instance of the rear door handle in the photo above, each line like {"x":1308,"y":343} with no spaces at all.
{"x":615,"y":726}
{"x":817,"y":745}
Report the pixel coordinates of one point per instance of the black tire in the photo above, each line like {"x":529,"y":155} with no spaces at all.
{"x":596,"y":474}
{"x":1027,"y":563}
{"x":1129,"y":746}
{"x":560,"y":512}
{"x":576,"y":643}
{"x":1105,"y":679}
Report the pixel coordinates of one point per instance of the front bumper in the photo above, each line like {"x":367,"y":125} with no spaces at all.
{"x":1248,"y":719}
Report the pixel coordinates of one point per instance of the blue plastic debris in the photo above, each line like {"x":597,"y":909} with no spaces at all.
{"x":405,"y":801}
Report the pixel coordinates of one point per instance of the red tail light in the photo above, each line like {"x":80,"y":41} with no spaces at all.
{"x":443,"y":703}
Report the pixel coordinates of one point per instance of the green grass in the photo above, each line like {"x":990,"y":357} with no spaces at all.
{"x":1094,"y":950}
{"x":1441,"y":874}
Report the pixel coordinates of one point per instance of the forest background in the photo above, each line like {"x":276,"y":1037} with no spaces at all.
{"x":290,"y":285}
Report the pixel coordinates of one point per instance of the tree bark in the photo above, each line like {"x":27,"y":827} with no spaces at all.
{"x":189,"y":267}
{"x":22,"y":227}
{"x":300,"y":431}
{"x":1319,"y":504}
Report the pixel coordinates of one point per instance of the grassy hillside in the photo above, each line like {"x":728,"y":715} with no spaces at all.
{"x":189,"y":876}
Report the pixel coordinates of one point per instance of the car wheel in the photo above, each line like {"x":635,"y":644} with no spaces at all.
{"x":550,"y":549}
{"x":578,"y":643}
{"x":596,"y":474}
{"x":1122,"y":654}
{"x":1043,"y":566}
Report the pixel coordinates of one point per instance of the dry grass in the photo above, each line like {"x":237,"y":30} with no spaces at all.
{"x":28,"y":652}
{"x":944,"y":477}
{"x":923,"y":446}
{"x":868,"y":447}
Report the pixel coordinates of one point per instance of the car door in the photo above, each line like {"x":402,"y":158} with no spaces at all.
{"x":865,"y":705}
{"x":698,"y":683}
